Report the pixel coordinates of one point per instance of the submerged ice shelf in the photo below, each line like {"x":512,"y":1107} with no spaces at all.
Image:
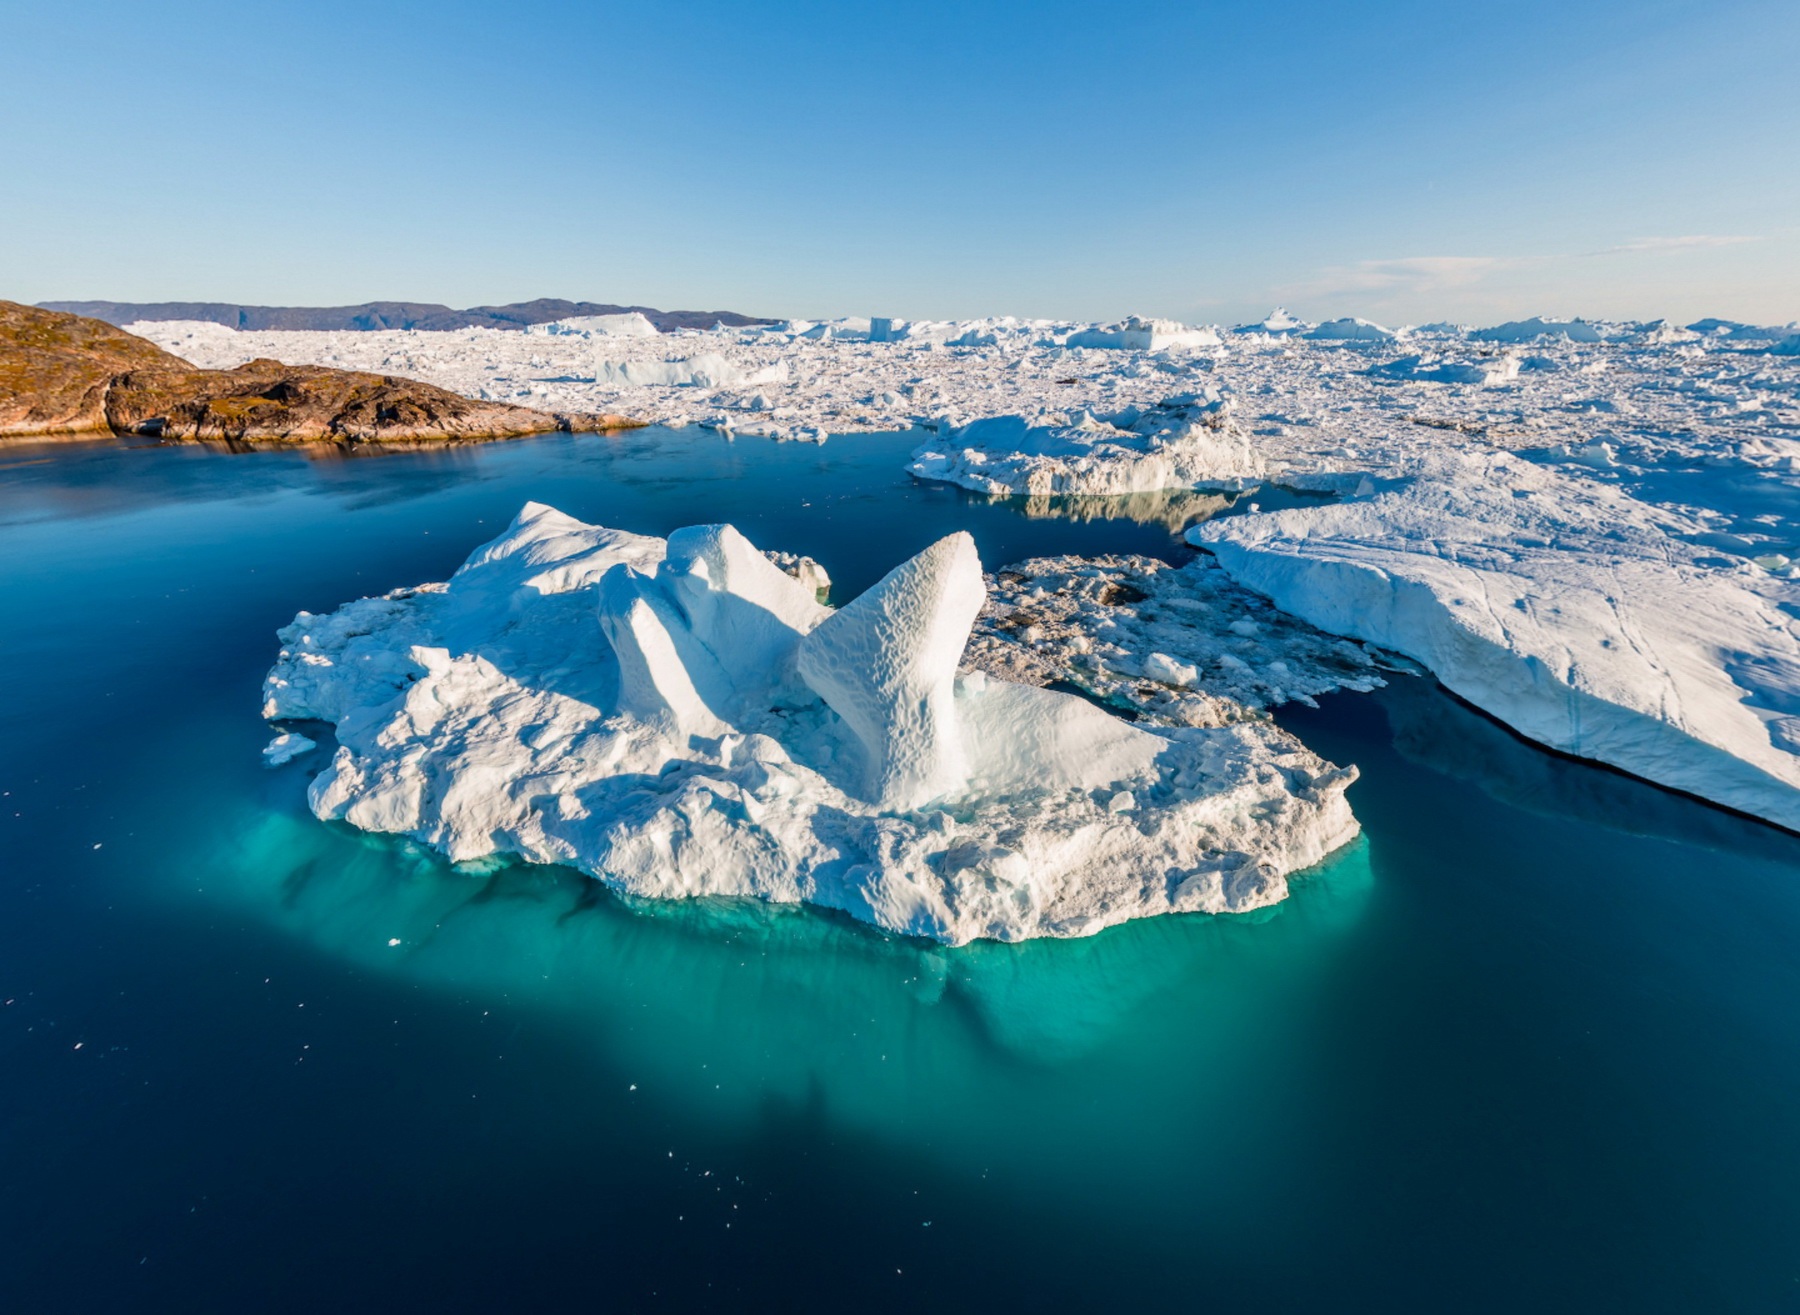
{"x":683,"y":718}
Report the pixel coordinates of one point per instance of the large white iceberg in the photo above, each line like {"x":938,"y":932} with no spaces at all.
{"x":1535,"y":328}
{"x":1561,"y":606}
{"x":1350,"y":329}
{"x":706,"y":370}
{"x":631,"y":324}
{"x":1181,"y":443}
{"x":682,"y":718}
{"x":1141,"y":334}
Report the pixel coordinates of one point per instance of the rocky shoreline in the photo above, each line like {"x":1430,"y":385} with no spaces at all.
{"x":64,"y":375}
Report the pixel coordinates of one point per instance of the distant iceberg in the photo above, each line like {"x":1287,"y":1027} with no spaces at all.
{"x":1350,"y":329}
{"x":633,"y":324}
{"x":1182,"y":443}
{"x":682,"y":718}
{"x":1144,"y":335}
{"x":707,"y":370}
{"x":1534,"y":329}
{"x":1279,"y":323}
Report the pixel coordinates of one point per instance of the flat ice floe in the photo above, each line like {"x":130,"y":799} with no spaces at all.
{"x":682,"y":718}
{"x":1585,"y":619}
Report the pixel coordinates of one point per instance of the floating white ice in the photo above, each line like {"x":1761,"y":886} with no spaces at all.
{"x":718,"y":732}
{"x":1563,"y":607}
{"x":1181,"y":443}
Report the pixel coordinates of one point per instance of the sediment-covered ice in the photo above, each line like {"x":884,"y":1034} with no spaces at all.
{"x":1584,"y":618}
{"x":1181,"y":443}
{"x":1176,"y":645}
{"x":683,"y":718}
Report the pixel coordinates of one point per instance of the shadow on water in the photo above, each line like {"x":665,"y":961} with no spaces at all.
{"x":1433,"y":728}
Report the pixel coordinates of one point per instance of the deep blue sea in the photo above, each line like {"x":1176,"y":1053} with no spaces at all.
{"x":1533,"y":1043}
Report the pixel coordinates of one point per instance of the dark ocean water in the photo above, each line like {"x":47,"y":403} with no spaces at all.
{"x":1534,"y":1042}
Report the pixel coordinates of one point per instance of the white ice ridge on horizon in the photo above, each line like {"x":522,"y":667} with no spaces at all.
{"x":1339,"y":393}
{"x":684,"y":718}
{"x":1561,"y":606}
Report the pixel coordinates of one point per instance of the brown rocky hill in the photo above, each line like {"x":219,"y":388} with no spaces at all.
{"x":67,"y":374}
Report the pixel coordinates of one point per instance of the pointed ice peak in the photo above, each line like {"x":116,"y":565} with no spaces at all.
{"x":665,"y":674}
{"x":747,"y":611}
{"x":886,"y":663}
{"x":714,"y":561}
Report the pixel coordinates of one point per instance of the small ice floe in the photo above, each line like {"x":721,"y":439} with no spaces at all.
{"x":285,"y":748}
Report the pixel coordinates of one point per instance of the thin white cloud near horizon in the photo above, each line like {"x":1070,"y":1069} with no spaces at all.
{"x":1395,"y":282}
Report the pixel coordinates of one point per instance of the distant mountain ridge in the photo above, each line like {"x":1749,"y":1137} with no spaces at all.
{"x":373,"y":315}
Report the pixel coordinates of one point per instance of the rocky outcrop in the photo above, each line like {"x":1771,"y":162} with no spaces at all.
{"x":374,"y":315}
{"x":67,"y":374}
{"x":55,"y":370}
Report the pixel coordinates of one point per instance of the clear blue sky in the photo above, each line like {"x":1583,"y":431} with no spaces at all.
{"x":1404,"y":161}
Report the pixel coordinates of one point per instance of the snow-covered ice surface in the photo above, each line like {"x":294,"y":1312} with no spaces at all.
{"x":286,"y":747}
{"x":1687,"y":434}
{"x":1183,"y":442}
{"x":683,"y":718}
{"x":1564,"y":607}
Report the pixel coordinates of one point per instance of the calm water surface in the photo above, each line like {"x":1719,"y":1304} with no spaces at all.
{"x":1533,"y":1042}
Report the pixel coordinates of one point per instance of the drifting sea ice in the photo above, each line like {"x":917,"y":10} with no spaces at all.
{"x":1562,"y":606}
{"x":683,"y":718}
{"x":1181,"y":442}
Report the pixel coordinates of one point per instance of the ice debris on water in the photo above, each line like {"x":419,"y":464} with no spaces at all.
{"x":285,"y":747}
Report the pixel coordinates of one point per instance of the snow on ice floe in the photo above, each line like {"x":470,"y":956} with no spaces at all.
{"x":1450,"y":368}
{"x":286,"y":747}
{"x":1588,"y":620}
{"x":1144,"y":335}
{"x":1183,"y":442}
{"x":683,"y":718}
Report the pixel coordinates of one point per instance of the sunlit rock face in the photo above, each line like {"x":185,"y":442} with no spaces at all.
{"x":683,"y":718}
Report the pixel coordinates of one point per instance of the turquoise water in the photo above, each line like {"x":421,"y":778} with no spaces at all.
{"x":1531,"y":1042}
